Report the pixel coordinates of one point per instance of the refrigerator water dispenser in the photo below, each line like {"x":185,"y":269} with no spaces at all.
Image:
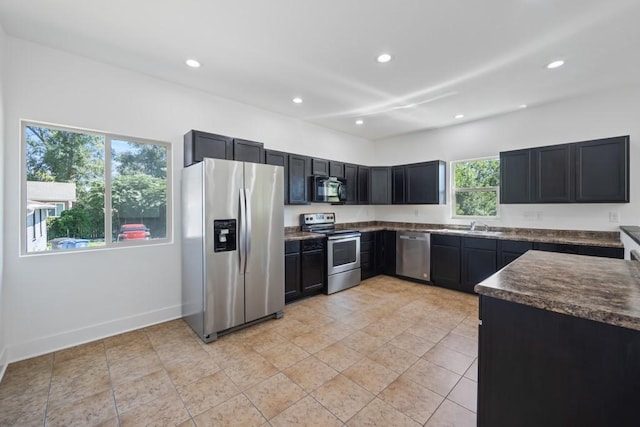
{"x":224,"y":235}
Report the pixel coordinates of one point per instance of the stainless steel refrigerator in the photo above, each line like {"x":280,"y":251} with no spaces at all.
{"x":232,"y":245}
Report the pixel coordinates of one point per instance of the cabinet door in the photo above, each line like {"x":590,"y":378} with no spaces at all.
{"x":515,"y":177}
{"x":198,"y":145}
{"x":380,"y":186}
{"x":367,"y":255}
{"x":351,"y":175}
{"x":479,"y":261}
{"x":299,"y":167}
{"x":556,"y":247}
{"x":397,"y":185}
{"x":601,"y":251}
{"x":425,"y":183}
{"x":602,"y":170}
{"x":291,"y":276}
{"x":320,"y":167}
{"x":363,"y":185}
{"x":248,"y":151}
{"x":446,"y":261}
{"x":312,"y":271}
{"x":336,"y":169}
{"x":554,"y":176}
{"x":278,"y":158}
{"x":389,"y":253}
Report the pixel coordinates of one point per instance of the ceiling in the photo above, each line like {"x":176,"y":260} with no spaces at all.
{"x":450,"y":57}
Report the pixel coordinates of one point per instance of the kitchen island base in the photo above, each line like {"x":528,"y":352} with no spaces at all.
{"x":542,"y":368}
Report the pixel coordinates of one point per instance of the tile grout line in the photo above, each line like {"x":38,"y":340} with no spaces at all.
{"x":46,"y":407}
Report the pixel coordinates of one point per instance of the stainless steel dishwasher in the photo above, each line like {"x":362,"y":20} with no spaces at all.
{"x":413,"y":257}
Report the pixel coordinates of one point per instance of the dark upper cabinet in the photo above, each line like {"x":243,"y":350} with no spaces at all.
{"x":583,"y":172}
{"x":553,"y":173}
{"x":336,"y":169}
{"x":363,"y":185}
{"x":602,"y":170}
{"x":320,"y":167}
{"x":425,"y":183}
{"x":445,"y":261}
{"x":380,"y":186}
{"x":299,"y":170}
{"x":198,"y":145}
{"x":351,"y":175}
{"x":479,"y":261}
{"x":248,"y":151}
{"x":397,"y":185}
{"x":278,"y":158}
{"x":515,"y":177}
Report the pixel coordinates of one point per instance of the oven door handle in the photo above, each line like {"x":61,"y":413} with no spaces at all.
{"x":343,"y":237}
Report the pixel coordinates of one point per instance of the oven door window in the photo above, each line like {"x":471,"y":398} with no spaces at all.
{"x":344,"y":253}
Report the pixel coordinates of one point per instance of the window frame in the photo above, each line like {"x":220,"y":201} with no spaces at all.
{"x":110,"y":242}
{"x":453,"y":190}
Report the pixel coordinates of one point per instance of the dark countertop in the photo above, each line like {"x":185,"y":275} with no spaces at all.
{"x":632,"y":231}
{"x":601,"y":289}
{"x":571,"y":237}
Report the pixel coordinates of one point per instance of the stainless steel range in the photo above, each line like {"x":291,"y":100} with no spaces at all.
{"x":343,"y":250}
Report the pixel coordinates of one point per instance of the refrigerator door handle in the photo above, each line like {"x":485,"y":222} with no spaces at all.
{"x":247,"y":227}
{"x":242,"y":214}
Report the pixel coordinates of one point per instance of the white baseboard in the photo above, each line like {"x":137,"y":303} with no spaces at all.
{"x":44,"y":345}
{"x":3,"y":363}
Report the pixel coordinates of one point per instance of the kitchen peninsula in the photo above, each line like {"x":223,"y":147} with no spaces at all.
{"x":559,"y":342}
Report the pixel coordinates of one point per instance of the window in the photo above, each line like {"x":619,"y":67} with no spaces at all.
{"x":99,"y":189}
{"x":475,"y":187}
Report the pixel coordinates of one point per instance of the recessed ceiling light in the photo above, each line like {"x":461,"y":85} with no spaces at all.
{"x":384,"y":58}
{"x":459,"y":116}
{"x":359,"y":122}
{"x":555,"y":64}
{"x":522,"y":106}
{"x":297,"y":100}
{"x":192,"y":63}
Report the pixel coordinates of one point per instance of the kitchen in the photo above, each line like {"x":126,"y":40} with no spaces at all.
{"x":48,"y":304}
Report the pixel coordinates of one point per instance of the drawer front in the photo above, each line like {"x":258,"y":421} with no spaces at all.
{"x":312,"y":245}
{"x":479,"y":243}
{"x":515,"y":246}
{"x":292,"y":247}
{"x":439,"y":239}
{"x":366,"y":237}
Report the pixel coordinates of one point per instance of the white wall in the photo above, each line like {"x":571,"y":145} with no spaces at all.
{"x":610,"y":113}
{"x":3,"y":322}
{"x":58,"y":300}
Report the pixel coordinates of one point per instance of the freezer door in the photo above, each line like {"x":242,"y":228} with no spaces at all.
{"x":264,"y":277}
{"x":224,"y":280}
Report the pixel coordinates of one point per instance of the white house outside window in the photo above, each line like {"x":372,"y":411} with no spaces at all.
{"x":93,"y":189}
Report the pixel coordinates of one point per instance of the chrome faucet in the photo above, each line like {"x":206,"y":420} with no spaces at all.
{"x":474,"y":224}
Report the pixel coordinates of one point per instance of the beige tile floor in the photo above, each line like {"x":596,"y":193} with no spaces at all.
{"x":386,"y":353}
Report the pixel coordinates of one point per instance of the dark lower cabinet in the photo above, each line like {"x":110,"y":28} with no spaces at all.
{"x":510,"y":250}
{"x":540,"y":368}
{"x":581,"y":250}
{"x":313,"y":266}
{"x":479,"y":261}
{"x":248,"y":151}
{"x":367,"y":255}
{"x":389,"y":253}
{"x":279,"y":158}
{"x":445,"y":261}
{"x":292,"y":276}
{"x":299,"y":170}
{"x":304,"y":268}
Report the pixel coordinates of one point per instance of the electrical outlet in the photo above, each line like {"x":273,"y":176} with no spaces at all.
{"x":614,"y":216}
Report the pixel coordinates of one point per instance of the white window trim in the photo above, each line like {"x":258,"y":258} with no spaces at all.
{"x":109,"y":245}
{"x":452,"y":191}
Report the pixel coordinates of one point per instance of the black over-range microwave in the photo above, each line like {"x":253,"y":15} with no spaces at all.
{"x":328,"y":189}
